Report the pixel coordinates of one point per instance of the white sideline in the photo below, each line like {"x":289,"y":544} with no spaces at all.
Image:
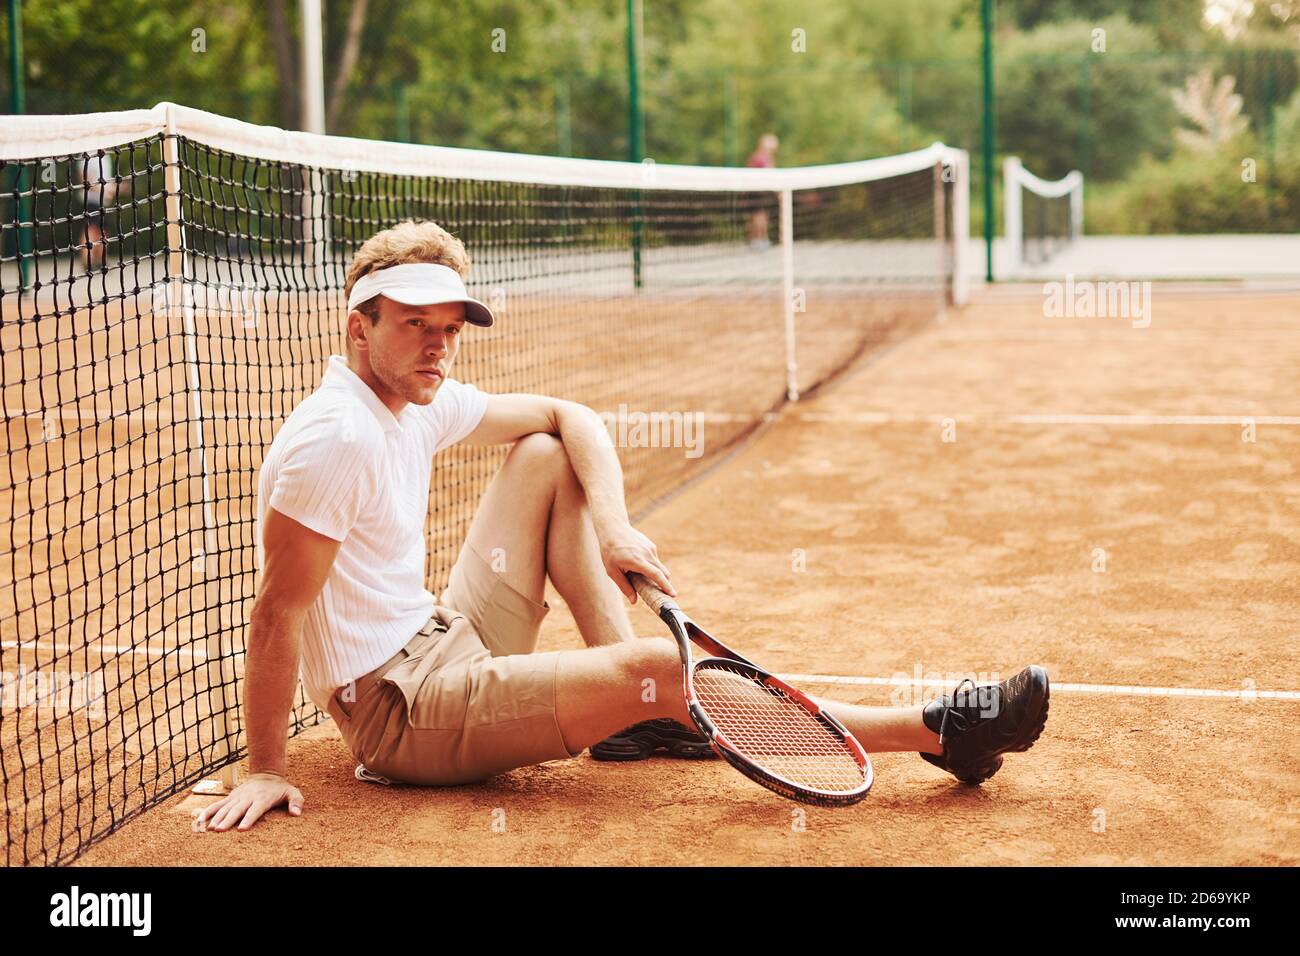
{"x":131,"y":649}
{"x":887,"y":418}
{"x":1118,"y":690}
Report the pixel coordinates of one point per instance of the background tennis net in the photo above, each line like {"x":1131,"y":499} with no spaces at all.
{"x":1042,"y":218}
{"x":170,"y":288}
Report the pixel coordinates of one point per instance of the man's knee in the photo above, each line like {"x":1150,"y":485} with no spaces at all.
{"x":538,"y":444}
{"x":539,"y":449}
{"x":650,"y":661}
{"x":542,"y":455}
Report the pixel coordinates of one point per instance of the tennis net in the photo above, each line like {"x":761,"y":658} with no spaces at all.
{"x":170,"y":288}
{"x":1042,"y":218}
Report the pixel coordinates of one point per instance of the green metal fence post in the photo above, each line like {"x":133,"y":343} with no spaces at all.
{"x":905,"y":92}
{"x":635,"y":128}
{"x":730,"y":120}
{"x":23,"y":239}
{"x":1085,"y":116}
{"x":563,"y":116}
{"x":1270,"y":135}
{"x":403,"y":118}
{"x":986,"y":20}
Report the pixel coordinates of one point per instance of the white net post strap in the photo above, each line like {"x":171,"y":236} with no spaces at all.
{"x":942,"y":245}
{"x":1076,"y":211}
{"x":1012,"y":214}
{"x":957,"y":168}
{"x":315,"y":226}
{"x":787,"y":292}
{"x":204,"y":557}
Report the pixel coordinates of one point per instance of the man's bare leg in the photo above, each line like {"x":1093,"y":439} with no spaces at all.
{"x":885,"y":729}
{"x":574,"y":565}
{"x":535,"y":512}
{"x":602,"y":690}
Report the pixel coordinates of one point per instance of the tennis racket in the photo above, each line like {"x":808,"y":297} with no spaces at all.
{"x":773,"y":733}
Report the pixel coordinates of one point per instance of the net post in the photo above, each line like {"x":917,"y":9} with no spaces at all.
{"x":1076,"y":210}
{"x":960,"y":222}
{"x":941,"y":236}
{"x":1012,"y":211}
{"x":315,"y":225}
{"x":180,"y":295}
{"x":787,"y":272}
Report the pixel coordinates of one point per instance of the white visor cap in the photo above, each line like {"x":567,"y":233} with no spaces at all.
{"x":419,"y":283}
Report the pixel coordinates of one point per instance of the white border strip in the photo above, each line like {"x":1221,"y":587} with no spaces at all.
{"x":1153,"y":419}
{"x":110,"y":416}
{"x":1054,"y":189}
{"x":1112,"y":689}
{"x":1117,"y":690}
{"x":130,"y":650}
{"x":888,"y":418}
{"x":35,"y":137}
{"x":29,"y":137}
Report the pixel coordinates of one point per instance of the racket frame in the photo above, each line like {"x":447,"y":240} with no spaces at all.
{"x":685,"y":631}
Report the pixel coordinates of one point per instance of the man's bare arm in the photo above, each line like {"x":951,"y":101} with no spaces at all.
{"x":297,"y":562}
{"x":591,"y":453}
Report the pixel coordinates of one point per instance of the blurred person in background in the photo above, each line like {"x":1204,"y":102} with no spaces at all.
{"x":99,"y":191}
{"x":763,"y":157}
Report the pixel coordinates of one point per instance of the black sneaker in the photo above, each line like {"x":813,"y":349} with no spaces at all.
{"x":977,"y":725}
{"x":641,"y":740}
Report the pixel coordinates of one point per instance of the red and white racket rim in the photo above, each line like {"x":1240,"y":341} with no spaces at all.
{"x":777,"y":731}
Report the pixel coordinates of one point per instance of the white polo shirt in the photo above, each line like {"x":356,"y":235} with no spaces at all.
{"x":345,"y":467}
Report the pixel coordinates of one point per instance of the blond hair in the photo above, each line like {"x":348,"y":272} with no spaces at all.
{"x":404,"y":243}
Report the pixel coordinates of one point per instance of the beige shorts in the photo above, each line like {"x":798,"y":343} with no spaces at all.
{"x":466,"y":698}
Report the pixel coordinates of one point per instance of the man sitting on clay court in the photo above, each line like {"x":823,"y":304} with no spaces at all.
{"x":451,"y":691}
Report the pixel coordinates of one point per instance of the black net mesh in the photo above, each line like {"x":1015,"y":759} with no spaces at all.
{"x":1048,"y":225}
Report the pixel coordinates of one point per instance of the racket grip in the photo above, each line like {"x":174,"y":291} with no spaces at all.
{"x":654,"y":598}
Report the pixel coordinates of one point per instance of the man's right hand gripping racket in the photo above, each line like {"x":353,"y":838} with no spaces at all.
{"x":771,"y":732}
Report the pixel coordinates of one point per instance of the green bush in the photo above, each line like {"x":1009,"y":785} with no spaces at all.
{"x":1286,"y":125}
{"x":1062,"y":106}
{"x":1191,"y":193}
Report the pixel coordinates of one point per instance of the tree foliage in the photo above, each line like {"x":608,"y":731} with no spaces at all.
{"x":837,"y":81}
{"x":1234,"y":189}
{"x":1063,"y":103}
{"x":1173,"y":24}
{"x":1286,"y":126}
{"x":86,"y":55}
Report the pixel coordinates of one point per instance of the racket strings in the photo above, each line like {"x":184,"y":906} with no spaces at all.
{"x":775,"y":731}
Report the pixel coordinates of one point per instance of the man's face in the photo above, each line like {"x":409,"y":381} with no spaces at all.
{"x":411,"y":348}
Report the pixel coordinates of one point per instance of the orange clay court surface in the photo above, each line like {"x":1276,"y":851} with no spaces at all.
{"x":927,"y":557}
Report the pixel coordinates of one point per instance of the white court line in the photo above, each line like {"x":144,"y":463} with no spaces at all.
{"x":104,"y":648}
{"x":1154,"y":419}
{"x":885,"y":418}
{"x":1114,"y":689}
{"x":105,"y":416}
